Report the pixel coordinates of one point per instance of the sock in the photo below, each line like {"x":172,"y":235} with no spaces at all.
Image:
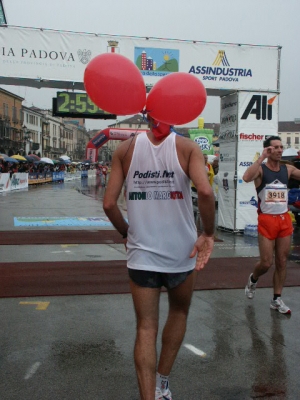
{"x":253,"y":280}
{"x":162,"y":381}
{"x":276,"y":296}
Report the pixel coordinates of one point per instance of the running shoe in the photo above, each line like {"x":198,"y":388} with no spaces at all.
{"x":279,"y":305}
{"x":250,"y":288}
{"x":167,"y":395}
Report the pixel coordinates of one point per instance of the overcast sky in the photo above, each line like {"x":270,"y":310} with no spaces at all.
{"x":264,"y":22}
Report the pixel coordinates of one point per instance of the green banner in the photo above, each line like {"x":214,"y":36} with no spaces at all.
{"x":203,"y":137}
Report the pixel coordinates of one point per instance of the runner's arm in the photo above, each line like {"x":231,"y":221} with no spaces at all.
{"x":293,"y":172}
{"x":112,"y":193}
{"x":206,"y":205}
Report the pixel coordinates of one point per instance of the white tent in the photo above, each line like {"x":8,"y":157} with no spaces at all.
{"x":290,"y":152}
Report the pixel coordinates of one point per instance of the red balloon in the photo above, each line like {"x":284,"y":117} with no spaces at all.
{"x":176,"y":99}
{"x":115,"y":84}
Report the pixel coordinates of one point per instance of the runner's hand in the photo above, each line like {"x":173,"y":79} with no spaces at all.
{"x":203,"y":248}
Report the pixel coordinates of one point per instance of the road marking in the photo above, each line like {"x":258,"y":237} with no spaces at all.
{"x":40,"y":305}
{"x":32,"y":370}
{"x":194,"y":349}
{"x":61,"y":251}
{"x":69,"y":245}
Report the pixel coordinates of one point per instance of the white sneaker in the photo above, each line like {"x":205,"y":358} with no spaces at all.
{"x":250,"y":288}
{"x":158,"y":394}
{"x":279,"y":305}
{"x":167,"y":395}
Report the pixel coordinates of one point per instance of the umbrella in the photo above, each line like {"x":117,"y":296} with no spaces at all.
{"x":67,"y":162}
{"x":18,"y":157}
{"x":46,"y":160}
{"x":64,"y":157}
{"x":36,"y":158}
{"x":30,"y":158}
{"x":289,"y":152}
{"x":11,"y":160}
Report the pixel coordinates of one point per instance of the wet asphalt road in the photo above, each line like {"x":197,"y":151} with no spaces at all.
{"x":80,"y":347}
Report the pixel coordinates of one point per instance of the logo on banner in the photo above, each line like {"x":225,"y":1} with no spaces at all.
{"x":260,"y":106}
{"x":203,"y":142}
{"x":228,"y":119}
{"x":251,"y":136}
{"x":156,"y":62}
{"x":218,"y":72}
{"x":251,"y":202}
{"x":225,"y":182}
{"x":226,"y":157}
{"x":100,"y":139}
{"x":221,"y":58}
{"x":84,"y":55}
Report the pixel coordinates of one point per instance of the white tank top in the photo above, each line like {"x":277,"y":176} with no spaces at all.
{"x":162,"y":230}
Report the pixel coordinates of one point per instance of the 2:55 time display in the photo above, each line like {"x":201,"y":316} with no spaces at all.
{"x":70,"y":102}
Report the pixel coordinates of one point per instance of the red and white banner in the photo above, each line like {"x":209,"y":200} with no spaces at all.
{"x":4,"y":182}
{"x":18,"y":180}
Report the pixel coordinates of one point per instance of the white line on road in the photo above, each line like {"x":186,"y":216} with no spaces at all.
{"x":195,"y":350}
{"x":32,"y":370}
{"x":62,"y":251}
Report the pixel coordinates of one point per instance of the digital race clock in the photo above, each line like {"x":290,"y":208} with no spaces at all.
{"x":78,"y":105}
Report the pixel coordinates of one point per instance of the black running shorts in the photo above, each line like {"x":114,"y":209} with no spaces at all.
{"x":152,"y":279}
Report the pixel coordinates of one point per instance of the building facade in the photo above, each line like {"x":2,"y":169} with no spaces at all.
{"x":11,"y":122}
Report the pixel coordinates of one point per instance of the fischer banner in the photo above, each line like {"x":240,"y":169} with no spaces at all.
{"x":48,"y":58}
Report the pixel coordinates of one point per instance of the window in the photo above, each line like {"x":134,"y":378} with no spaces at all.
{"x":14,"y":113}
{"x":288,"y":140}
{"x":5,"y":109}
{"x":297,"y":140}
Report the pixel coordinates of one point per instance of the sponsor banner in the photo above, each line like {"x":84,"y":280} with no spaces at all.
{"x":19,"y":180}
{"x":48,"y":58}
{"x":4,"y":182}
{"x":91,"y":153}
{"x":257,"y":119}
{"x":123,"y":134}
{"x":227,"y":162}
{"x":204,"y":138}
{"x":226,"y":200}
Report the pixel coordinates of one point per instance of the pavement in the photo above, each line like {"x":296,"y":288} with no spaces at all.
{"x":67,"y":322}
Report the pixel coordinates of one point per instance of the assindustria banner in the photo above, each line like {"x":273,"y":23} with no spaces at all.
{"x":204,"y":138}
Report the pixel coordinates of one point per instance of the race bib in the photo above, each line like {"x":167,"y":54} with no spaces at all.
{"x":276,"y":194}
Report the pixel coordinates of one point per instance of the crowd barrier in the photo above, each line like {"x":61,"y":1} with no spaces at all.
{"x":21,"y":180}
{"x":15,"y":181}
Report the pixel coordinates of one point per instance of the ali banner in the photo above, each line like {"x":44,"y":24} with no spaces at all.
{"x":257,"y":119}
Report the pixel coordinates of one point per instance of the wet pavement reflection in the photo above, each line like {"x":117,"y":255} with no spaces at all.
{"x":81,"y":347}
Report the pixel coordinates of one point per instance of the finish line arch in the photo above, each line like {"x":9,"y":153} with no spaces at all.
{"x":245,"y":77}
{"x":104,"y":136}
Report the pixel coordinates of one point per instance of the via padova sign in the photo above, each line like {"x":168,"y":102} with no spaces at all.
{"x":48,"y":58}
